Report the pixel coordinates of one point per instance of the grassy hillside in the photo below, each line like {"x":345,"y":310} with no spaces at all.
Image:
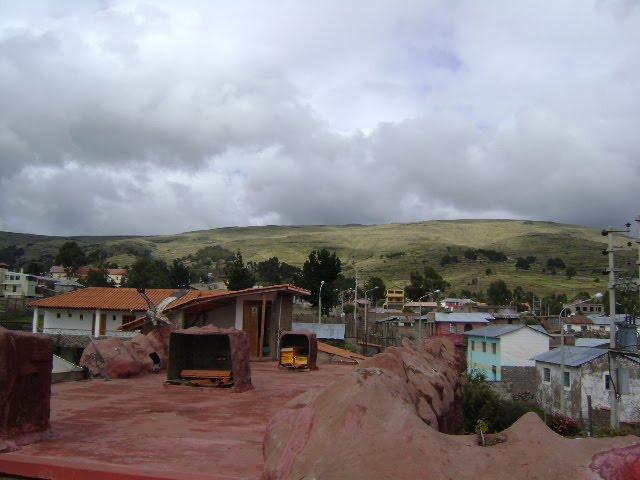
{"x":389,"y":251}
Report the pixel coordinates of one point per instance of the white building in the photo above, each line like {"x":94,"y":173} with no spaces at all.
{"x":587,"y":373}
{"x":18,"y":284}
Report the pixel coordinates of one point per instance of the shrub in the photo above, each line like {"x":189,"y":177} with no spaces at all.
{"x":563,"y":425}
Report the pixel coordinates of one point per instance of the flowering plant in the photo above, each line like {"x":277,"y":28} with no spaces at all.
{"x":562,"y":424}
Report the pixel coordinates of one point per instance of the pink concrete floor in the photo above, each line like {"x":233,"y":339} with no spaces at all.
{"x":140,"y":428}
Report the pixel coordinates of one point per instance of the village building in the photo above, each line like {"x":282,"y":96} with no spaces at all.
{"x":394,"y":298}
{"x":262,"y":312}
{"x":497,"y":350}
{"x":587,"y":375}
{"x":116,"y":275}
{"x":453,"y":325}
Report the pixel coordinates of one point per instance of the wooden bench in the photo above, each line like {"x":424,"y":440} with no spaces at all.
{"x":213,"y":374}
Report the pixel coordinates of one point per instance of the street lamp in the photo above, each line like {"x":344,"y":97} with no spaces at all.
{"x":320,"y":302}
{"x":365,"y":313}
{"x":420,"y":321}
{"x":562,"y":395}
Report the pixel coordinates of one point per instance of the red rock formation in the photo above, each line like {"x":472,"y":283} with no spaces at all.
{"x":185,"y":352}
{"x":382,"y":421}
{"x":304,"y":339}
{"x":26,"y":361}
{"x":125,"y":358}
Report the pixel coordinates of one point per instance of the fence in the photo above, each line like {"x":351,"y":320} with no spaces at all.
{"x":12,"y":307}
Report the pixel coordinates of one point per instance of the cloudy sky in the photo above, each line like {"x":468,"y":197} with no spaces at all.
{"x":154,"y":117}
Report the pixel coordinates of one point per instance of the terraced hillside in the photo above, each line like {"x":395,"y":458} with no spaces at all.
{"x":389,"y":251}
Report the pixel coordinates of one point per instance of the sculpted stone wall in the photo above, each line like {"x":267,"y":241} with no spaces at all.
{"x":388,"y":418}
{"x":26,"y":361}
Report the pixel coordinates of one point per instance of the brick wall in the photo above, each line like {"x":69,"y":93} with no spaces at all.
{"x":518,"y":384}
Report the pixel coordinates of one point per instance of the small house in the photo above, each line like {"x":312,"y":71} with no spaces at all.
{"x":496,"y":349}
{"x":587,"y":374}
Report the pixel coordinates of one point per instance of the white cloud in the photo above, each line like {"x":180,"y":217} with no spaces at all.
{"x":156,"y":117}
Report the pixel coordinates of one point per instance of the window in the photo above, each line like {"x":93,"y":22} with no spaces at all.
{"x":81,"y":317}
{"x":493,"y":348}
{"x":452,"y":328}
{"x":58,"y":315}
{"x":607,"y":379}
{"x":114,"y":318}
{"x":567,"y":379}
{"x":546,"y":375}
{"x":484,"y":346}
{"x":14,"y":288}
{"x":473,"y":345}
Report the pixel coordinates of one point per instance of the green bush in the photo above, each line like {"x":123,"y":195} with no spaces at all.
{"x":610,"y":431}
{"x":481,"y":402}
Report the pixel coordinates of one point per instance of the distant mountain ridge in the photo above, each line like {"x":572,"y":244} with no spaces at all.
{"x":390,"y":251}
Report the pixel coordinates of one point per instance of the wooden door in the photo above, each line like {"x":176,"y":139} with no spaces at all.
{"x":103,"y":324}
{"x":251,"y":325}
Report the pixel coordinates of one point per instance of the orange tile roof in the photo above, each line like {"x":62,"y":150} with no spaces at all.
{"x":202,"y":296}
{"x":193,"y":296}
{"x":104,"y":298}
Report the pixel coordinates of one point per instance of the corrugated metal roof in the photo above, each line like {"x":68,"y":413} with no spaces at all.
{"x":463,"y":317}
{"x":592,"y":342}
{"x":573,"y":356}
{"x":605,"y":319}
{"x":495,"y":331}
{"x":539,"y":328}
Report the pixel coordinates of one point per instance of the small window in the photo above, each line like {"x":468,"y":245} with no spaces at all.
{"x":58,"y":315}
{"x":81,"y":317}
{"x":114,"y":318}
{"x":484,"y":346}
{"x":473,"y":345}
{"x":493,"y":348}
{"x":607,"y":380}
{"x":567,"y":379}
{"x":452,"y":328}
{"x":546,"y":375}
{"x":69,"y":314}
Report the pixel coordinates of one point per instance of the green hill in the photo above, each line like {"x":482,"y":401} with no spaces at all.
{"x":389,"y":251}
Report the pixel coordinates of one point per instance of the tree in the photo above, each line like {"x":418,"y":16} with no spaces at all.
{"x":71,"y":257}
{"x":470,"y":254}
{"x":179,"y":275}
{"x":239,"y":276}
{"x":97,"y":277}
{"x":97,"y":257}
{"x":498,"y":293}
{"x":147,"y":273}
{"x":274,"y":272}
{"x":35,"y":268}
{"x":570,"y":272}
{"x":522,"y":264}
{"x":427,"y":282}
{"x":448,"y":259}
{"x":378,"y":284}
{"x":321,"y":266}
{"x":555,"y":264}
{"x":480,"y":401}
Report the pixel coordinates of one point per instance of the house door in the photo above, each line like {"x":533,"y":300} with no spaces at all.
{"x":103,"y":324}
{"x":252,"y":324}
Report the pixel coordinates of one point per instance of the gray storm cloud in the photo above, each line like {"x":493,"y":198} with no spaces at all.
{"x":118,"y":115}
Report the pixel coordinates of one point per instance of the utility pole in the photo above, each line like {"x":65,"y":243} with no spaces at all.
{"x":613,"y":367}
